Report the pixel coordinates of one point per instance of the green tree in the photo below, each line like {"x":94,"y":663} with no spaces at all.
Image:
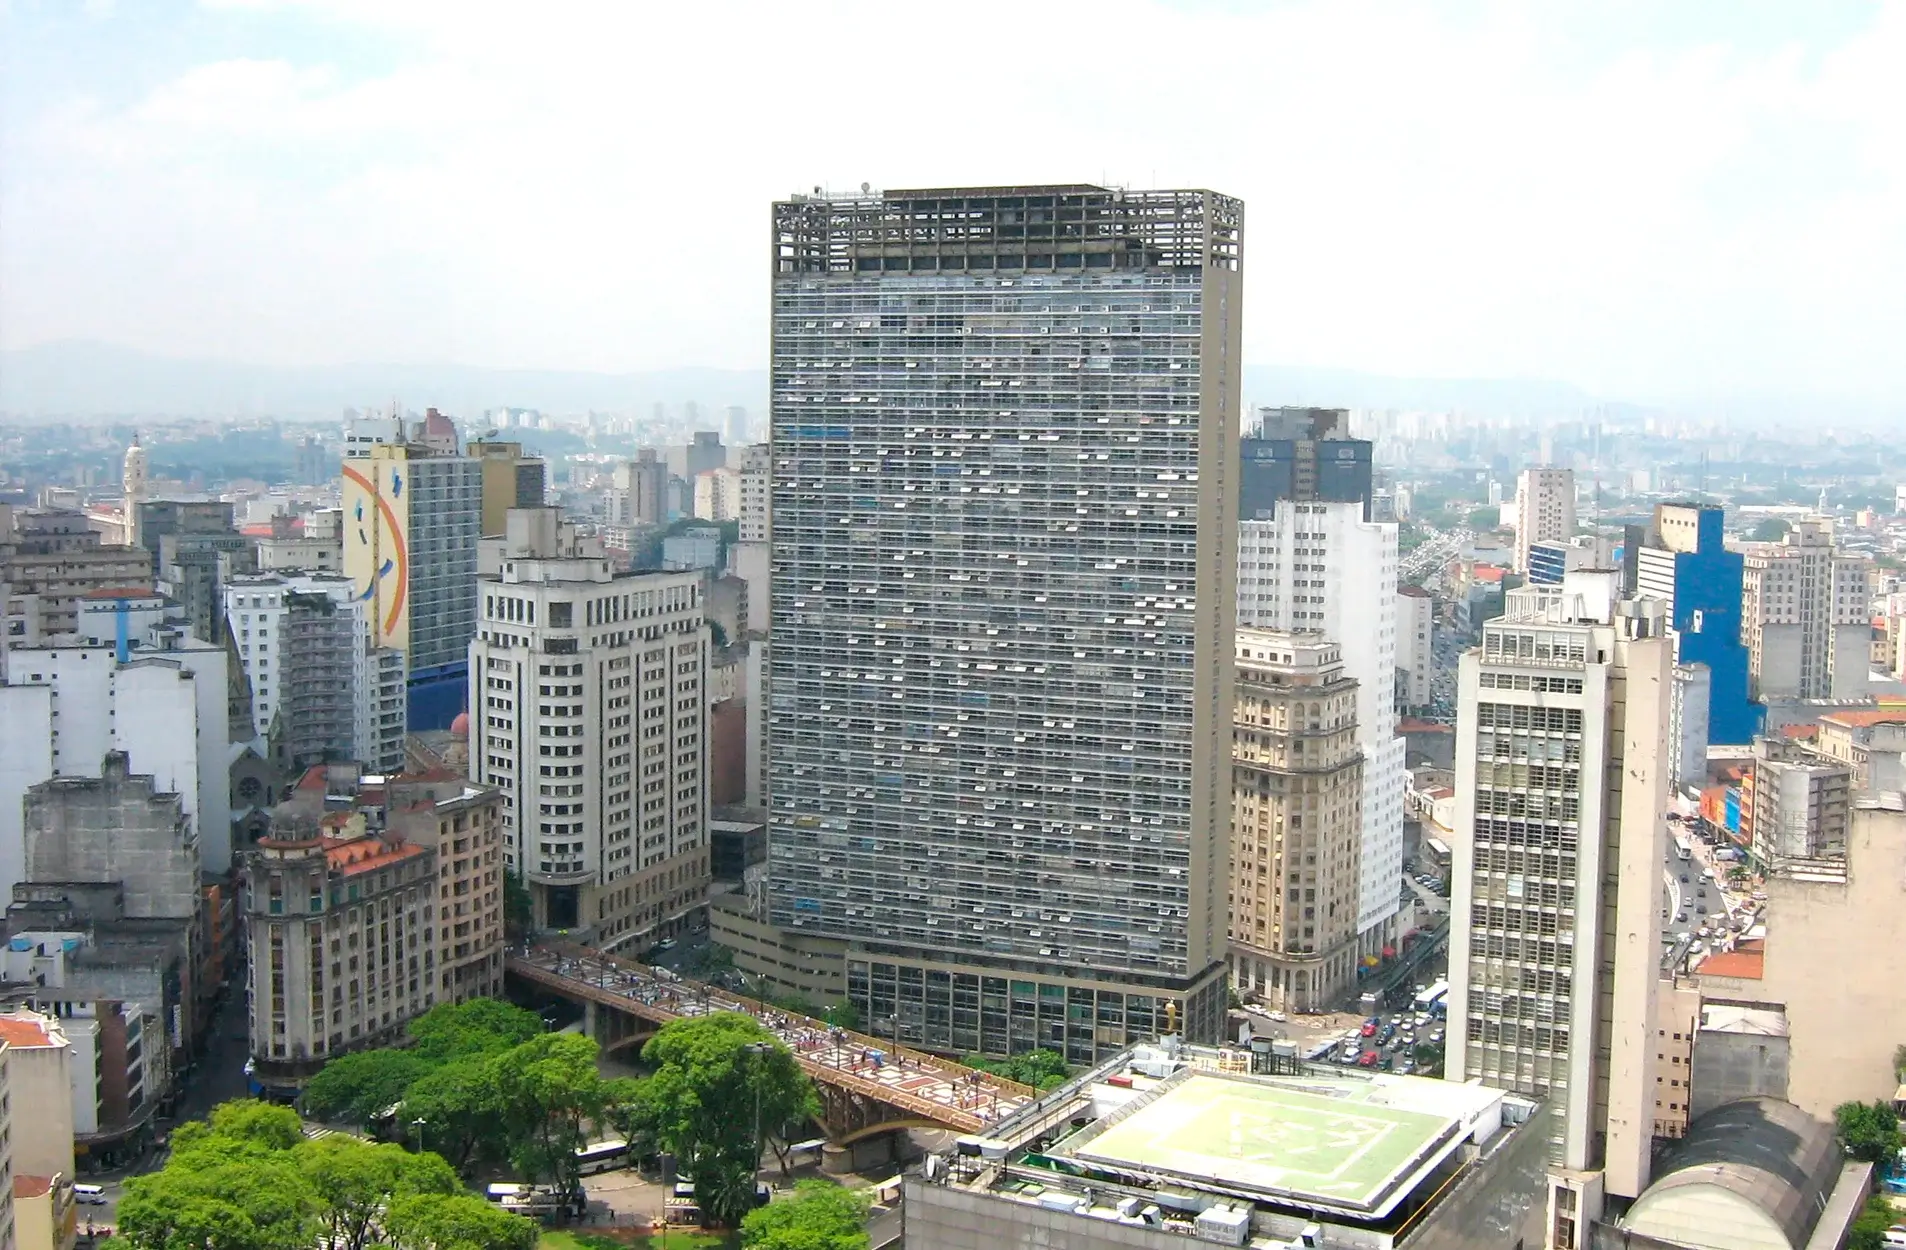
{"x":843,"y":1015}
{"x":547,"y":1090}
{"x":1771,"y":530}
{"x":260,"y":1123}
{"x":1899,"y":1064}
{"x":1041,"y":1069}
{"x":363,"y":1084}
{"x":455,"y":1222}
{"x":1869,"y":1131}
{"x":261,"y":1202}
{"x":353,"y":1181}
{"x":818,"y":1216}
{"x":461,"y":1110}
{"x":481,"y":1026}
{"x":627,"y":1108}
{"x":717,"y":1077}
{"x":1483,"y":520}
{"x":1429,"y":1059}
{"x":1870,"y":1225}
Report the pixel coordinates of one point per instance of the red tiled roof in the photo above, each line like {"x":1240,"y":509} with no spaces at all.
{"x":1488,"y":573}
{"x":367,"y":855}
{"x":1799,"y":731}
{"x":17,"y":1032}
{"x":122,"y":592}
{"x":313,"y":779}
{"x":1411,"y":725}
{"x":1861,"y":718}
{"x":25,"y":1186}
{"x":1739,"y":964}
{"x":1414,"y":592}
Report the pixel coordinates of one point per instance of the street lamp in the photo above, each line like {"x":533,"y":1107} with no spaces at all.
{"x":756,"y":1049}
{"x":417,"y":1133}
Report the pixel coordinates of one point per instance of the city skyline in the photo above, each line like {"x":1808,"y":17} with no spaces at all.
{"x":1575,"y":195}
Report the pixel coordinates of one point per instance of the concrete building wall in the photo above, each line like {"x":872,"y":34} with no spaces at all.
{"x":1729,"y":1064}
{"x":788,"y":962}
{"x":1545,"y":510}
{"x":39,"y":1093}
{"x":117,"y":828}
{"x":1842,"y":1027}
{"x":26,"y":759}
{"x":1415,"y":654}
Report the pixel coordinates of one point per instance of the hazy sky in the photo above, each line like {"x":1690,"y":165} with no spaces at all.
{"x":1649,"y":199}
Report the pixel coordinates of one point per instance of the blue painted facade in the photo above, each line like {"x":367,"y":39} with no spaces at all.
{"x":1707,"y":616}
{"x":1548,"y":564}
{"x":434,"y":696}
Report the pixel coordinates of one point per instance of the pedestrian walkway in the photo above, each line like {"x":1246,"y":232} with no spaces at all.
{"x":926,"y":1085}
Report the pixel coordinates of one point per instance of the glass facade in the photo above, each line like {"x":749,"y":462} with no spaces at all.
{"x":986,"y":454}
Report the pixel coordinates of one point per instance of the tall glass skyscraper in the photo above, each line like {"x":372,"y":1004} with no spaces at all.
{"x":1004,"y":478}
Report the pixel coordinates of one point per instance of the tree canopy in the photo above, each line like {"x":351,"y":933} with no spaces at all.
{"x":1869,"y":1131}
{"x":716,"y":1077}
{"x":362,"y":1085}
{"x":246,"y":1179}
{"x":1041,"y":1069}
{"x":818,"y":1216}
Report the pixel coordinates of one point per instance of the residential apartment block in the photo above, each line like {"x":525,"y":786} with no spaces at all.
{"x":320,"y":691}
{"x":1804,"y":617}
{"x":588,"y":710}
{"x":1545,"y":510}
{"x":1296,"y":822}
{"x":50,"y":561}
{"x":1004,"y":557}
{"x":1415,"y":647}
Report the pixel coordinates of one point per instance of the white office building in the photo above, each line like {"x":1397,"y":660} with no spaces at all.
{"x":1321,"y":567}
{"x":588,"y":710}
{"x":1563,"y":766}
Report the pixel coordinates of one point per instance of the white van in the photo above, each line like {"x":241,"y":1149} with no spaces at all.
{"x":89,"y":1195}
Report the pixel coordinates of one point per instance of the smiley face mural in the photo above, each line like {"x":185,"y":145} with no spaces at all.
{"x":376,"y":542}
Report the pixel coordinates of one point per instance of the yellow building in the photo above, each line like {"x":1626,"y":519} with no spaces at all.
{"x":510,"y":480}
{"x":44,"y":1214}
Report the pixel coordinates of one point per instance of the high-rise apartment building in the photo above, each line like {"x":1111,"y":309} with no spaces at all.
{"x":1296,"y":822}
{"x":412,"y":518}
{"x":1312,"y":565}
{"x":510,"y":480}
{"x":718,"y":494}
{"x":1682,"y":559}
{"x":1415,"y":647}
{"x":320,"y":690}
{"x":1796,"y":806}
{"x":756,"y":464}
{"x":1005,"y":461}
{"x":1545,"y":510}
{"x":1804,"y":617}
{"x":638,"y":492}
{"x":1562,"y":770}
{"x":588,"y":710}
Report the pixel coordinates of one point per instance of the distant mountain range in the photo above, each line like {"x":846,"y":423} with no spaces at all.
{"x":86,"y":381}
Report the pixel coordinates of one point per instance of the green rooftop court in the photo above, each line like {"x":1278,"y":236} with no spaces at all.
{"x":1347,"y":1152}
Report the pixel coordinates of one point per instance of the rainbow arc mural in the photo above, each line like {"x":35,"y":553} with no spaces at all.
{"x":377,"y":543}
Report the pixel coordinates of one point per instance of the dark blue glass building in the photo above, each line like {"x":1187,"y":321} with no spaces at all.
{"x":1685,"y":561}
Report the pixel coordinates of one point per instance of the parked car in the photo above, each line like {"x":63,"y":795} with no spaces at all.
{"x":1368,"y":1059}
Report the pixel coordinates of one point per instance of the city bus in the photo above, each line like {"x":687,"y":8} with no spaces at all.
{"x":1681,"y":851}
{"x":602,"y":1156}
{"x":1433,"y":998}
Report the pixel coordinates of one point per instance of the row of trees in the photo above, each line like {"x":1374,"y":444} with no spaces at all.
{"x":1041,"y":1069}
{"x":246,"y":1179}
{"x":481,"y":1082}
